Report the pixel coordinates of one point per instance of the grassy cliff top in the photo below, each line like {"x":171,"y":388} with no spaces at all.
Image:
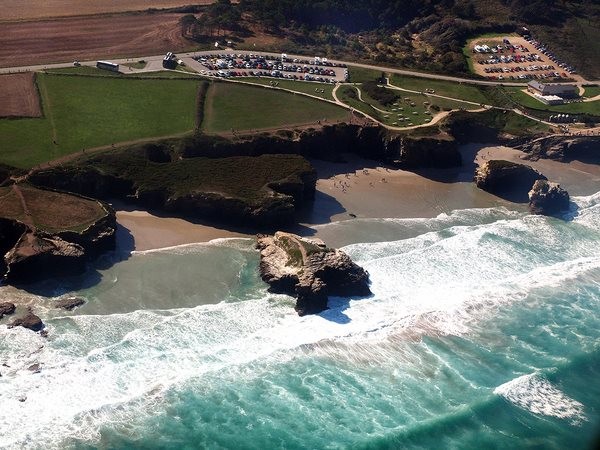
{"x":242,"y":177}
{"x":47,"y":210}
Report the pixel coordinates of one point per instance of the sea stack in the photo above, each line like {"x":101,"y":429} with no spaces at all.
{"x":507,"y":179}
{"x":309,"y":270}
{"x":548,"y":198}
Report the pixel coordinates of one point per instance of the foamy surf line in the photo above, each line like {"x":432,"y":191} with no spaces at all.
{"x":174,"y":248}
{"x":536,"y":394}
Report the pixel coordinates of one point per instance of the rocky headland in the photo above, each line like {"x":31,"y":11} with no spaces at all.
{"x":46,"y":234}
{"x":261,"y":181}
{"x":308,"y":270}
{"x":564,"y":148}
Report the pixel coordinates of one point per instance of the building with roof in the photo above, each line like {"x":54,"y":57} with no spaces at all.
{"x":560,"y":90}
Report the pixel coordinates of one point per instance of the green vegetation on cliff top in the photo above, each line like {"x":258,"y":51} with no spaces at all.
{"x":241,"y":177}
{"x":49,"y":211}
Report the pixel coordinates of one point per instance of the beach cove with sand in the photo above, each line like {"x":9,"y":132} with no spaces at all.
{"x":481,"y":330}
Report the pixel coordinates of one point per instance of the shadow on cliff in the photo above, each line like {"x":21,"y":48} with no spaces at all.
{"x":64,"y":283}
{"x":460,"y":174}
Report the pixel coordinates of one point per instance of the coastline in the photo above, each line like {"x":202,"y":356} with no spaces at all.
{"x":361,"y":188}
{"x":152,"y":232}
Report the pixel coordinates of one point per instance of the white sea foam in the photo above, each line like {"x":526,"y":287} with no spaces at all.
{"x":536,"y":394}
{"x":195,"y":246}
{"x":109,"y":369}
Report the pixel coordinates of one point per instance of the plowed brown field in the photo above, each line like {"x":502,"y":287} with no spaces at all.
{"x":19,"y":96}
{"x":91,"y":37}
{"x":42,"y":9}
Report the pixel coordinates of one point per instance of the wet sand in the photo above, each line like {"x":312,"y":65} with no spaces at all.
{"x":151,"y":232}
{"x":363,"y":189}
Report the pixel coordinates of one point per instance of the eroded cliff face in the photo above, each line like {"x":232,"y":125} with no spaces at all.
{"x":564,"y":148}
{"x":427,"y":153}
{"x":310,"y":271}
{"x":30,"y":254}
{"x":331,"y":142}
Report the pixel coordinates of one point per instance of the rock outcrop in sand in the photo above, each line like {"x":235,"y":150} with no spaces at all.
{"x":309,"y":270}
{"x":506,"y":179}
{"x":548,"y":198}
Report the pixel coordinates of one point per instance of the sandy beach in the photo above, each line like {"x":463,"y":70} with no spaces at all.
{"x":360,"y":188}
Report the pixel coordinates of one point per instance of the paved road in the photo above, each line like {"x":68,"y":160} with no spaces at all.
{"x":152,"y":66}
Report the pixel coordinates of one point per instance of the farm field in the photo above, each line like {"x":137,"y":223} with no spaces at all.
{"x":242,"y":107}
{"x":94,"y":72}
{"x":37,"y":9}
{"x":19,"y":96}
{"x":85,"y":112}
{"x":307,"y":87}
{"x":90,"y":37}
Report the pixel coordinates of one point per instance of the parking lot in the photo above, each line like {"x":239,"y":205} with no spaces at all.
{"x":231,"y":65}
{"x":518,"y":58}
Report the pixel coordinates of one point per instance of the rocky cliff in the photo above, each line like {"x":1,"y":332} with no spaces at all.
{"x":564,"y":148}
{"x":331,"y":143}
{"x":548,"y":198}
{"x":30,"y":253}
{"x":308,"y":270}
{"x":506,"y":179}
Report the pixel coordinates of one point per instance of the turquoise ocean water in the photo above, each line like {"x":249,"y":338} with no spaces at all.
{"x":482,"y":332}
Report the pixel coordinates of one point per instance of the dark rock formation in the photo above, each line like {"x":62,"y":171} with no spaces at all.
{"x":69,"y":303}
{"x":308,"y":270}
{"x":548,"y":198}
{"x":29,"y":321}
{"x":506,"y":179}
{"x":10,"y":232}
{"x":6,"y":308}
{"x":564,"y":148}
{"x":427,"y":153}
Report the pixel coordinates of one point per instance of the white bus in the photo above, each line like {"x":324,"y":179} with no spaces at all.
{"x":106,"y":65}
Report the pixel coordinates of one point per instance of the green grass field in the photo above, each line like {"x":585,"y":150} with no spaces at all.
{"x":307,"y":87}
{"x":461,"y":91}
{"x":591,"y":91}
{"x":83,"y":70}
{"x":410,"y":109}
{"x":570,"y":108}
{"x":349,"y":95}
{"x":361,"y":75}
{"x":84,"y":112}
{"x":243,"y":107}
